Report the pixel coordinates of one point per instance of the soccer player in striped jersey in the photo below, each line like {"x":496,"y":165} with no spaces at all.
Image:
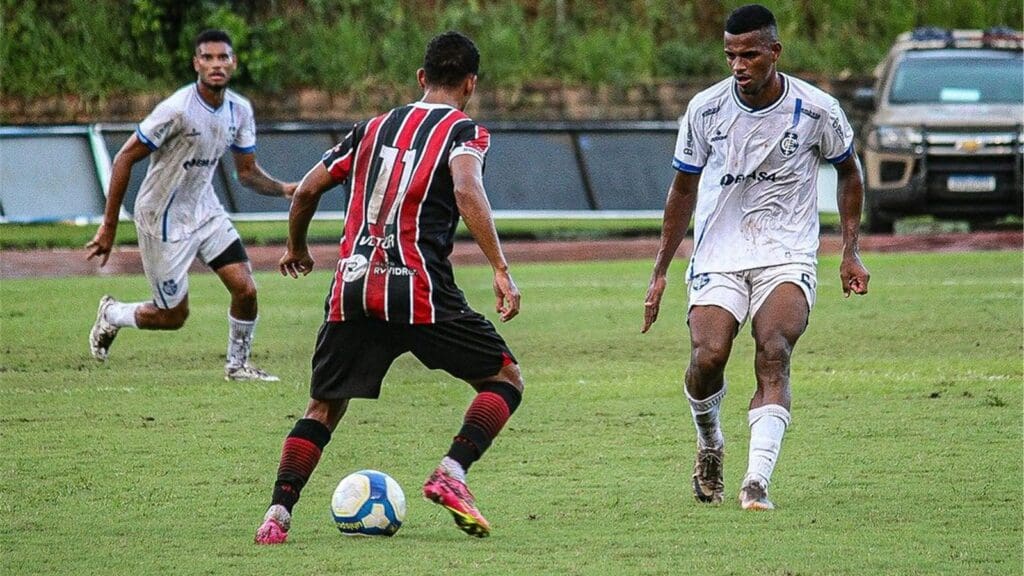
{"x":177,"y":214}
{"x":747,"y":162}
{"x":414,"y":171}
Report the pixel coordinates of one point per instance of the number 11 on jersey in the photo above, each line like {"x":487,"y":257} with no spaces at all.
{"x":390,"y":184}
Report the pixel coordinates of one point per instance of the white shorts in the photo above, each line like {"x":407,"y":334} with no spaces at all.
{"x":166,"y":263}
{"x":743,"y":293}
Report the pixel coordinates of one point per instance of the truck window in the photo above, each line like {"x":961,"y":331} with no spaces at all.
{"x":959,"y":80}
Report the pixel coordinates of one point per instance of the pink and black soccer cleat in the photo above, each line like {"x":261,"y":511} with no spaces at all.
{"x":441,"y":488}
{"x":274,"y":529}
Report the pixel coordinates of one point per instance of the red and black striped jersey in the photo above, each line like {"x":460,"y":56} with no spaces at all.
{"x":401,"y":215}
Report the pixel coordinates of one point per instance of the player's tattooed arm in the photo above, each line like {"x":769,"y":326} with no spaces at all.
{"x":252,"y":176}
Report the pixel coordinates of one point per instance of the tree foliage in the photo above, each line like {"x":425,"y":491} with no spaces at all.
{"x":95,"y":48}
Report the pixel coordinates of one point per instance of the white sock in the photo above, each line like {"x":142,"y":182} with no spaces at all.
{"x":239,"y":341}
{"x":454,"y":469}
{"x":122,"y":314}
{"x":767,"y":426}
{"x":281,"y":514}
{"x":705,"y":418}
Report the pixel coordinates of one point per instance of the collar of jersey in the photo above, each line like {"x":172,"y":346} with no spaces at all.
{"x":195,"y":92}
{"x":430,"y":106}
{"x":766,"y":109}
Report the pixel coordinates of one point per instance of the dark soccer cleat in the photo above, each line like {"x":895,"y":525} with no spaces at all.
{"x":707,"y":475}
{"x":103,"y":332}
{"x":441,"y":488}
{"x":754,"y":494}
{"x":274,"y":529}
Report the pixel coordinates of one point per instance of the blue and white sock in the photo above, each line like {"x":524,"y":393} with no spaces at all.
{"x":239,"y":341}
{"x":706,"y":420}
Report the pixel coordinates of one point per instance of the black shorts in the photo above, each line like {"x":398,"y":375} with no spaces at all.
{"x":352,"y":357}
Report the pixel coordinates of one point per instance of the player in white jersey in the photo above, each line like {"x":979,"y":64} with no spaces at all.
{"x":177,"y":214}
{"x":747,"y":163}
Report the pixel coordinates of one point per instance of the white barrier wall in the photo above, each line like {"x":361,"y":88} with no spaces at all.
{"x":534,"y":170}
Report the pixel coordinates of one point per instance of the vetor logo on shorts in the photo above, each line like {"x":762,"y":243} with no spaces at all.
{"x":353,"y":268}
{"x":730,"y":179}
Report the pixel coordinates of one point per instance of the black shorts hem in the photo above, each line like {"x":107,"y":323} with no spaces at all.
{"x":233,"y":254}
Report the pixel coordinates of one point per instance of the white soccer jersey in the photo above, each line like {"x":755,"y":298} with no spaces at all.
{"x":757,"y":201}
{"x":187,"y":138}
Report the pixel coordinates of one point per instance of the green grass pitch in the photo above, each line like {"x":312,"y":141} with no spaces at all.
{"x":904,"y":456}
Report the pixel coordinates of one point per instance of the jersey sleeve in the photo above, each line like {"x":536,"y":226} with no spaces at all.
{"x":339,"y":160}
{"x":471,"y":139}
{"x":162,"y":123}
{"x":691,"y":146}
{"x":837,"y":138}
{"x":245,"y":135}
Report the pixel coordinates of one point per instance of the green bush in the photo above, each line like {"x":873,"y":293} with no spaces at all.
{"x":96,"y":48}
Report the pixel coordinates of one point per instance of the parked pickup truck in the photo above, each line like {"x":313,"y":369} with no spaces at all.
{"x":945,"y":134}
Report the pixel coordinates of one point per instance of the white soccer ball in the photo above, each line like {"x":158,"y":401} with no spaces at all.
{"x":368,"y":503}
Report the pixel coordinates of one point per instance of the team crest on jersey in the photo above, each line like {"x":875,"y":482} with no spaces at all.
{"x":788,"y":145}
{"x":353,"y":268}
{"x":699,"y":281}
{"x":169,"y":287}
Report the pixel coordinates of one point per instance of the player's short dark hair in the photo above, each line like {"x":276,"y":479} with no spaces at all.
{"x":450,"y":57}
{"x":212,"y":36}
{"x":750,"y":18}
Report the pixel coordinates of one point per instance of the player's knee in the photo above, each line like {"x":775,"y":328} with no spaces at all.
{"x":709,"y":358}
{"x":245,"y":294}
{"x":774,"y":350}
{"x":511,"y":374}
{"x":327,"y":412}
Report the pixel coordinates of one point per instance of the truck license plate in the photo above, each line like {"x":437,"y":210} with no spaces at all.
{"x":971,"y":183}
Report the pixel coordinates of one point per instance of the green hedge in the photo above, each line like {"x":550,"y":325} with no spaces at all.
{"x":95,"y":48}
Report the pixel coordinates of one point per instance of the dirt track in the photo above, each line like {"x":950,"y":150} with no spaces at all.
{"x":67,"y":262}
